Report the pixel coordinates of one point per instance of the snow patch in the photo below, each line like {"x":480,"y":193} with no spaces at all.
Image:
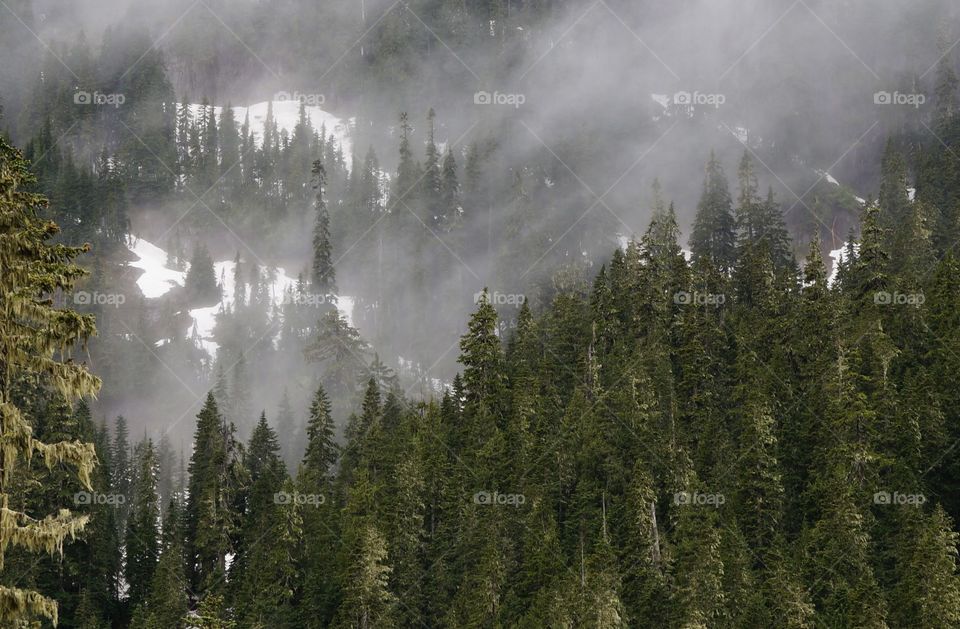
{"x":157,"y":279}
{"x":663,"y":100}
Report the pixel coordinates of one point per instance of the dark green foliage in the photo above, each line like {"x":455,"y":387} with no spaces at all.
{"x":651,"y":442}
{"x":714,"y":229}
{"x":201,"y":283}
{"x":143,"y":537}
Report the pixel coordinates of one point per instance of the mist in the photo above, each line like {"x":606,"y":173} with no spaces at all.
{"x":575,"y":103}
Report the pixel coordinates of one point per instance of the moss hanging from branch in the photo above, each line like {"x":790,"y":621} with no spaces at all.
{"x":16,"y":604}
{"x":36,"y":343}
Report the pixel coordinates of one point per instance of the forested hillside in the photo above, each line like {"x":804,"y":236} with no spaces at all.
{"x":482,"y":314}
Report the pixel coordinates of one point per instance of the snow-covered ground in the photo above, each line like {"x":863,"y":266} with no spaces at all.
{"x":158,"y":279}
{"x":831,"y":179}
{"x":837,"y":256}
{"x":287,"y":114}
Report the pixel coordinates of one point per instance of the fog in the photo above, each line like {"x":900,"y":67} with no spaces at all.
{"x":578,"y":98}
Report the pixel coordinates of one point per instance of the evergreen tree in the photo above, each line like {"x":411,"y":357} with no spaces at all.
{"x":481,"y":355}
{"x":324,"y":278}
{"x":451,"y":210}
{"x":207,"y":520}
{"x":928,"y":591}
{"x":201,"y":282}
{"x":121,"y":467}
{"x":36,"y":336}
{"x":322,"y":451}
{"x":367,"y":601}
{"x":143,"y":539}
{"x":714,"y":234}
{"x":167,"y":602}
{"x":263,"y":572}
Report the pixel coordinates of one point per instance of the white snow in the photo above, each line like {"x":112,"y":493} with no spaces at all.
{"x":830,"y":178}
{"x":911,"y":193}
{"x":664,"y":100}
{"x":742,"y":134}
{"x":837,"y":256}
{"x":157,"y":280}
{"x":286,"y":113}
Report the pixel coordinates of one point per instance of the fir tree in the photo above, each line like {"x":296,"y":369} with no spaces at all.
{"x":143,"y":539}
{"x":167,"y":600}
{"x":324,"y":278}
{"x":322,"y":451}
{"x":481,"y":355}
{"x":206,"y":520}
{"x":31,"y":270}
{"x":714,"y":235}
{"x":201,"y":282}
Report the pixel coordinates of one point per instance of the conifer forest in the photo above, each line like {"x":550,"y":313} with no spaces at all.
{"x":485,"y":314}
